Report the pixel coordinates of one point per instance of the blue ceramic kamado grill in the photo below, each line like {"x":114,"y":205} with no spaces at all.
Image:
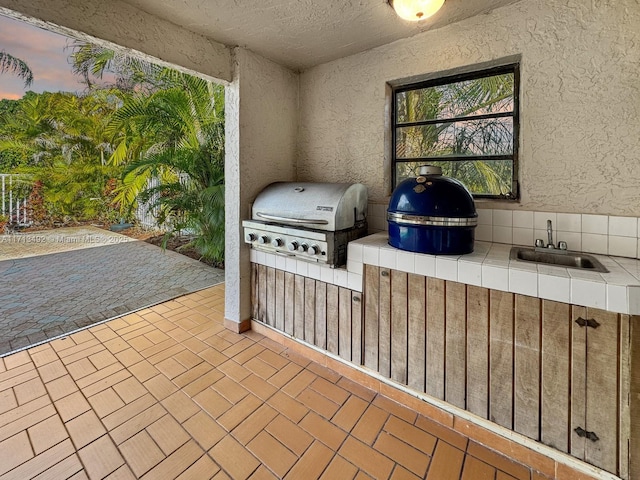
{"x":432,"y":214}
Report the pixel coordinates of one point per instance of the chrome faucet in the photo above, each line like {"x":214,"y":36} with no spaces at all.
{"x":539,"y":244}
{"x":550,"y":235}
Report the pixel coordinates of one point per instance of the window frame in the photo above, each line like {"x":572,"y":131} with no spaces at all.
{"x":512,"y":68}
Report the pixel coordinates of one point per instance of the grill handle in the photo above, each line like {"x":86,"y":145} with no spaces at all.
{"x":292,"y":220}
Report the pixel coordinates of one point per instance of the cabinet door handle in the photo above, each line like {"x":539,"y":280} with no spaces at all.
{"x":384,"y":273}
{"x":589,"y":322}
{"x":585,"y":434}
{"x":356,"y":298}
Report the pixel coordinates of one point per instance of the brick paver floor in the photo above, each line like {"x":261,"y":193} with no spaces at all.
{"x":47,"y":295}
{"x":168,"y":393}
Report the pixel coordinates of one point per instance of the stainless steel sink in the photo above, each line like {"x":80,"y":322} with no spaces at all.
{"x":558,"y":258}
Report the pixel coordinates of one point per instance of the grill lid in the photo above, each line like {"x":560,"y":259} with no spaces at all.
{"x":432,"y":199}
{"x":321,"y":206}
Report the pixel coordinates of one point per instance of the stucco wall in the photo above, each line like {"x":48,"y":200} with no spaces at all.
{"x":261,"y":125}
{"x":126,"y":26}
{"x":580,"y":103}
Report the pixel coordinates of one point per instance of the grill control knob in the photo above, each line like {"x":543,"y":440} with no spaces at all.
{"x":250,"y":237}
{"x":314,"y":250}
{"x":292,"y":246}
{"x":277,"y":242}
{"x":303,"y":248}
{"x":263,"y":239}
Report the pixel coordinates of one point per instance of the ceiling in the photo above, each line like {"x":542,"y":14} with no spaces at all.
{"x":302,"y":33}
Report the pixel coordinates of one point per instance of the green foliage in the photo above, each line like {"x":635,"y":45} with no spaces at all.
{"x":154,"y":135}
{"x":11,"y":64}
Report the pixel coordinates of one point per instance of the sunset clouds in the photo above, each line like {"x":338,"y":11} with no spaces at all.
{"x":45,"y":54}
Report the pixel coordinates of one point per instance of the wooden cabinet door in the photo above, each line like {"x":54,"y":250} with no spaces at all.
{"x":595,"y":394}
{"x":602,"y":390}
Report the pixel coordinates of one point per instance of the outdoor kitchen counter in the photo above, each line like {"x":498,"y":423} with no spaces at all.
{"x":489,"y":266}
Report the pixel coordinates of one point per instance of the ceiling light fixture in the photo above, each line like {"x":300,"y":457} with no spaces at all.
{"x":416,"y":10}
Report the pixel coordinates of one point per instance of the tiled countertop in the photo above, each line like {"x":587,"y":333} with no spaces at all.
{"x":489,"y":266}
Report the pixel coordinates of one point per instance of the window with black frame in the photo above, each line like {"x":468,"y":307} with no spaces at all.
{"x":466,"y":124}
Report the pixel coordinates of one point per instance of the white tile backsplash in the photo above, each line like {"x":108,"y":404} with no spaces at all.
{"x":485,"y":216}
{"x":502,"y":218}
{"x":623,"y":246}
{"x":484,"y":233}
{"x":502,"y":234}
{"x":595,"y":243}
{"x":569,"y":222}
{"x":623,"y":226}
{"x":595,"y":224}
{"x":523,"y":236}
{"x":522,"y":219}
{"x":540,"y":219}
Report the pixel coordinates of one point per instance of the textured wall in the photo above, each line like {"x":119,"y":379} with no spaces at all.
{"x":580,"y":103}
{"x":261,"y":126}
{"x":124,"y":25}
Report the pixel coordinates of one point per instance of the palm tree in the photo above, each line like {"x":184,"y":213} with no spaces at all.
{"x":9,"y":63}
{"x":175,"y":135}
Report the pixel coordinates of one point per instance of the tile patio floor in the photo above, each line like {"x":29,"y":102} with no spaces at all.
{"x":169,"y":393}
{"x":80,"y":276}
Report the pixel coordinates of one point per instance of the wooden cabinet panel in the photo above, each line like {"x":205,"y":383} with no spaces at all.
{"x":556,"y":391}
{"x":501,"y":358}
{"x":478,"y":351}
{"x":578,"y":381}
{"x":371,"y":315}
{"x":417,"y":329}
{"x":344,"y":323}
{"x":526,"y":402}
{"x":279,"y":300}
{"x":321,"y":315}
{"x":271,"y":295}
{"x":310,"y":310}
{"x":435,"y":368}
{"x":399,"y":326}
{"x":455,"y":343}
{"x":602,"y":390}
{"x":356,"y":328}
{"x":384,"y":323}
{"x":289,"y":302}
{"x":298,"y":307}
{"x":333,"y":324}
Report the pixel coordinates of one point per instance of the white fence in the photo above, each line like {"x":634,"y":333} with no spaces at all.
{"x":146,"y":215}
{"x":14,"y":206}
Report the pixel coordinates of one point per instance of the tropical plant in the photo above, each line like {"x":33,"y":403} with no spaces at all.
{"x":9,"y":63}
{"x":176,"y":136}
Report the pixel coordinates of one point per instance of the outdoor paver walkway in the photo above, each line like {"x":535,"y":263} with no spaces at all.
{"x":169,"y":393}
{"x":44,"y":296}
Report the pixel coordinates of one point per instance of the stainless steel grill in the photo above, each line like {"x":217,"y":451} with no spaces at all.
{"x":311,"y":221}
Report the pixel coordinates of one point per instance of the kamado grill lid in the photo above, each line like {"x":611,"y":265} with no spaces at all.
{"x":432,"y":199}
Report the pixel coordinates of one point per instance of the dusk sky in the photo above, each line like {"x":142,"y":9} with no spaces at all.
{"x":44,"y":52}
